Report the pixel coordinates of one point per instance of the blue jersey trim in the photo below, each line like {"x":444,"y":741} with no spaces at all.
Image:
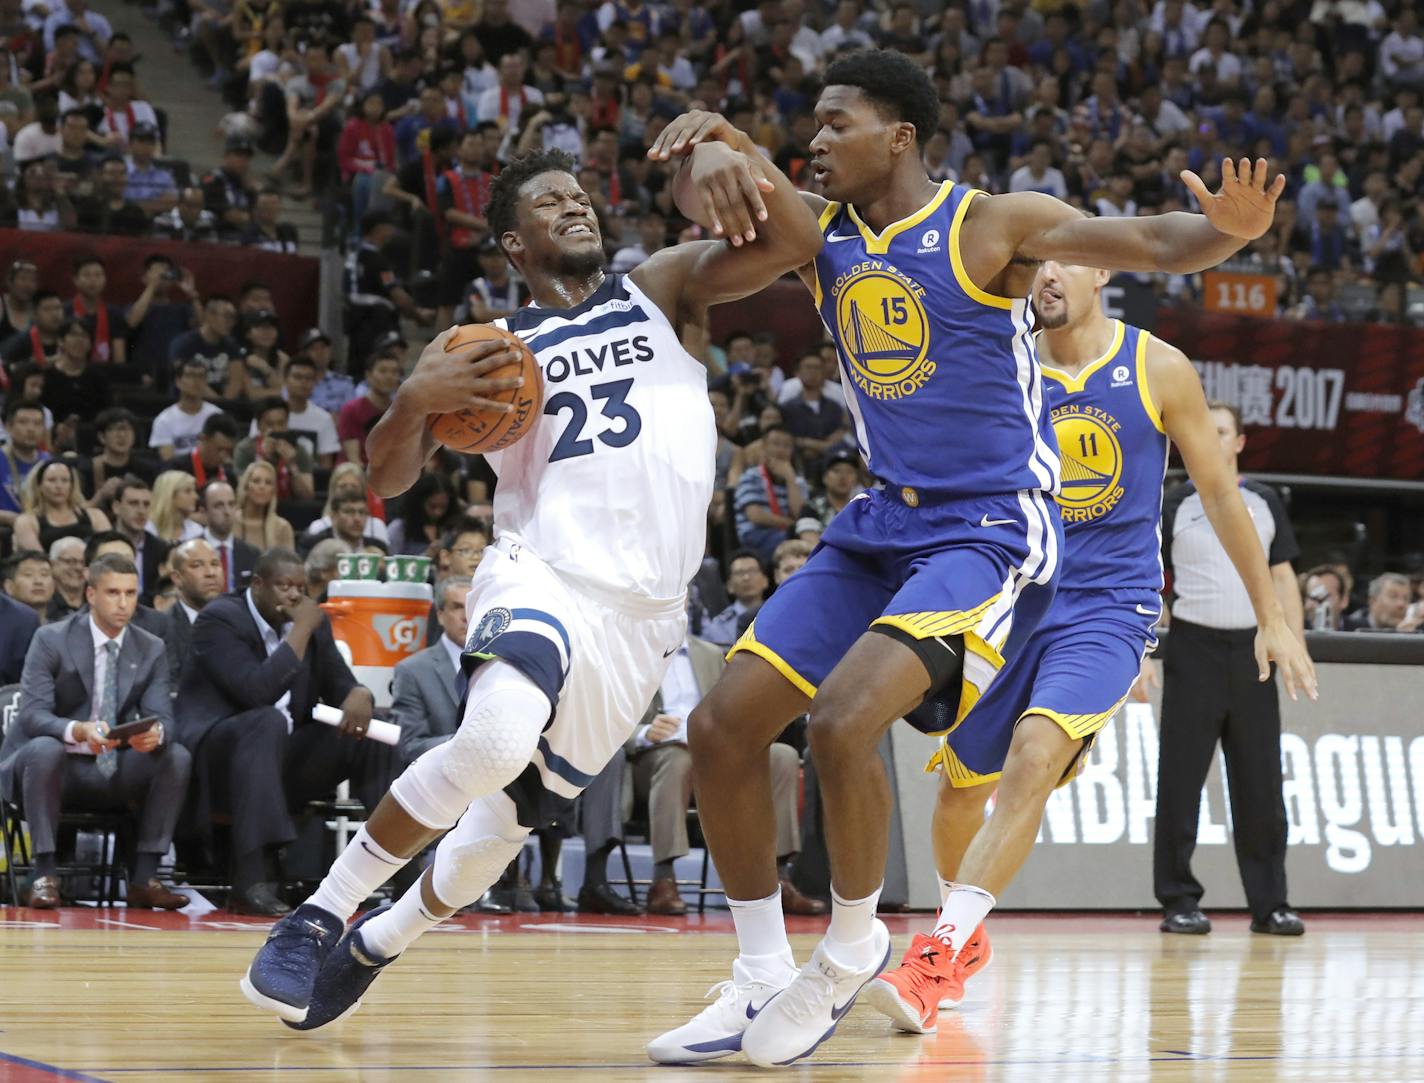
{"x":546,"y":618}
{"x":597,"y":325}
{"x":529,"y":317}
{"x":562,"y":767}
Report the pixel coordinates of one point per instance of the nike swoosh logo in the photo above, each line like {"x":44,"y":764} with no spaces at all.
{"x":669,"y":654}
{"x":836,"y":1013}
{"x":837,"y":238}
{"x":986,"y":521}
{"x":1148,"y":612}
{"x":377,"y":856}
{"x":753,"y":1014}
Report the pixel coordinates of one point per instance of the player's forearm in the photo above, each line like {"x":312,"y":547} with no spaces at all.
{"x":397,"y":449}
{"x":1288,"y":594}
{"x":1183,"y":243}
{"x":1232,"y":522}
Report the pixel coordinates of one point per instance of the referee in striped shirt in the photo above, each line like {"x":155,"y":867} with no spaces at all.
{"x":1213,"y":692}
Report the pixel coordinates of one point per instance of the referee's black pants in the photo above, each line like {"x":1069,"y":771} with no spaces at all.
{"x":1210,"y":693}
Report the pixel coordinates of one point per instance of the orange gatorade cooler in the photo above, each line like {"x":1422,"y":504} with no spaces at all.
{"x":377,"y":625}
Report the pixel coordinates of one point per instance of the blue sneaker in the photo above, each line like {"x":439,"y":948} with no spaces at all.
{"x":345,"y":976}
{"x":281,"y":976}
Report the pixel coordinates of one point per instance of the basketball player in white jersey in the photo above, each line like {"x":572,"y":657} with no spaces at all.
{"x":600,"y":524}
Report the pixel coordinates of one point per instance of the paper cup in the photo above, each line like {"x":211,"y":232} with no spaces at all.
{"x":368,"y":566}
{"x":407,"y":569}
{"x":347,"y":565}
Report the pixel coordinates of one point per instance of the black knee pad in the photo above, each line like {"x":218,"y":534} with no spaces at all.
{"x":942,"y":657}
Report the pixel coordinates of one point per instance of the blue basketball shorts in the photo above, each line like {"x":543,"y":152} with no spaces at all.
{"x":1076,"y":669}
{"x":984,"y":569}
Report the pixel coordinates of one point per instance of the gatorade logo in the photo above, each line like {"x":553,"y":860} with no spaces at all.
{"x":403,"y":634}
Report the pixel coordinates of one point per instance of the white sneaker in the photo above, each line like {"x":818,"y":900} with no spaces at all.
{"x":794,"y":1022}
{"x":716,"y":1031}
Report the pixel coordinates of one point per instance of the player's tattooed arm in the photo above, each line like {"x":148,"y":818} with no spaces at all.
{"x":1038,"y":227}
{"x":1176,"y":390}
{"x":400,"y":444}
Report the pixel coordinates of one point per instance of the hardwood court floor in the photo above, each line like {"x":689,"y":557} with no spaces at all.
{"x":94,"y":995}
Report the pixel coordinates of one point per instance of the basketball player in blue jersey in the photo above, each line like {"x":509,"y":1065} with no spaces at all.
{"x":578,"y":606}
{"x":925,"y":585}
{"x":1118,"y":398}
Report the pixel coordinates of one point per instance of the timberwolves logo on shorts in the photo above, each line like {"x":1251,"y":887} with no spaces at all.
{"x":492,"y":625}
{"x":883,"y":330}
{"x":1092,"y":462}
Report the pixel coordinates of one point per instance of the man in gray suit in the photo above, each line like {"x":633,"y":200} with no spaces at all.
{"x":84,"y":676}
{"x":426,"y":693}
{"x":662,"y":775}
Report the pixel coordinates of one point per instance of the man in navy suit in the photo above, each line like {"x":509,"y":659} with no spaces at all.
{"x":260,"y":660}
{"x":17,"y":627}
{"x":83,"y":676}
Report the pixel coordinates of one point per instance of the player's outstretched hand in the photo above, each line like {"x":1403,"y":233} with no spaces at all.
{"x":695,"y":126}
{"x":725,"y":192}
{"x":1276,"y":643}
{"x":1246,"y":204}
{"x":442,"y":381}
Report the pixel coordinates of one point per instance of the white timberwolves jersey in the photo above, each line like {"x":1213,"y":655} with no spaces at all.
{"x":611,"y":486}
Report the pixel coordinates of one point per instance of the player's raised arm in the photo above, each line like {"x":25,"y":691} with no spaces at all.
{"x":1177,"y":391}
{"x":1039,"y":227}
{"x":729,"y":188}
{"x":400,"y":443}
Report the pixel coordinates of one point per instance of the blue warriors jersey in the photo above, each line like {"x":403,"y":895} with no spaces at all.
{"x":1114,"y":456}
{"x":946,"y":392}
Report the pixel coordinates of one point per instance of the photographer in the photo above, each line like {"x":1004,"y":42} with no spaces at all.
{"x":284,"y":449}
{"x":552,"y":128}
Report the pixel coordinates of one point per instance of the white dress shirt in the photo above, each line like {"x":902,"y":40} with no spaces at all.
{"x":454,"y":650}
{"x":271,"y":640}
{"x":679,"y":693}
{"x":100,"y":639}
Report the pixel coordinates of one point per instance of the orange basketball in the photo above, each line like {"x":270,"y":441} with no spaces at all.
{"x":474,"y":430}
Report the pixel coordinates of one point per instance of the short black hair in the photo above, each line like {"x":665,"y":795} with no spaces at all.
{"x":302,"y":361}
{"x":103,"y":537}
{"x":271,"y":402}
{"x":12,"y":565}
{"x":743,"y":554}
{"x":895,"y":84}
{"x":14,"y":406}
{"x":76,"y":323}
{"x":221,"y":425}
{"x":274,"y":560}
{"x":504,"y":192}
{"x":80,"y":262}
{"x":114,"y":415}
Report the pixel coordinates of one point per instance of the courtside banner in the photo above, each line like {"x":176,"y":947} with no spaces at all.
{"x":1353,"y":766}
{"x":1330,"y":399}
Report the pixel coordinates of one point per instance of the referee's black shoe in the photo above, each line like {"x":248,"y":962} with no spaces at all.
{"x":1186,"y":922}
{"x":1283,"y":921}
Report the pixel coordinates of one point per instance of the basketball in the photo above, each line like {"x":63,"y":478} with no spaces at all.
{"x":476,"y":431}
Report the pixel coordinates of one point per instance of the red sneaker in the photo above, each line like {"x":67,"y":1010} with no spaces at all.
{"x":910,"y":994}
{"x":972,"y":957}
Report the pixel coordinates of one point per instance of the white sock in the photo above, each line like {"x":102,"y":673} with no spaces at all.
{"x":852,"y":927}
{"x":945,"y":887}
{"x":761,"y":931}
{"x":389,"y":934}
{"x":362,"y":867}
{"x":964,"y":908}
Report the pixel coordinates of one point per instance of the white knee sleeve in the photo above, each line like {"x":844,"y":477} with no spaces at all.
{"x":504,"y":715}
{"x":477,"y":850}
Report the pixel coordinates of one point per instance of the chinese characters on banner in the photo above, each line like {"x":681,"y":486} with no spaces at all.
{"x":1343,"y":400}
